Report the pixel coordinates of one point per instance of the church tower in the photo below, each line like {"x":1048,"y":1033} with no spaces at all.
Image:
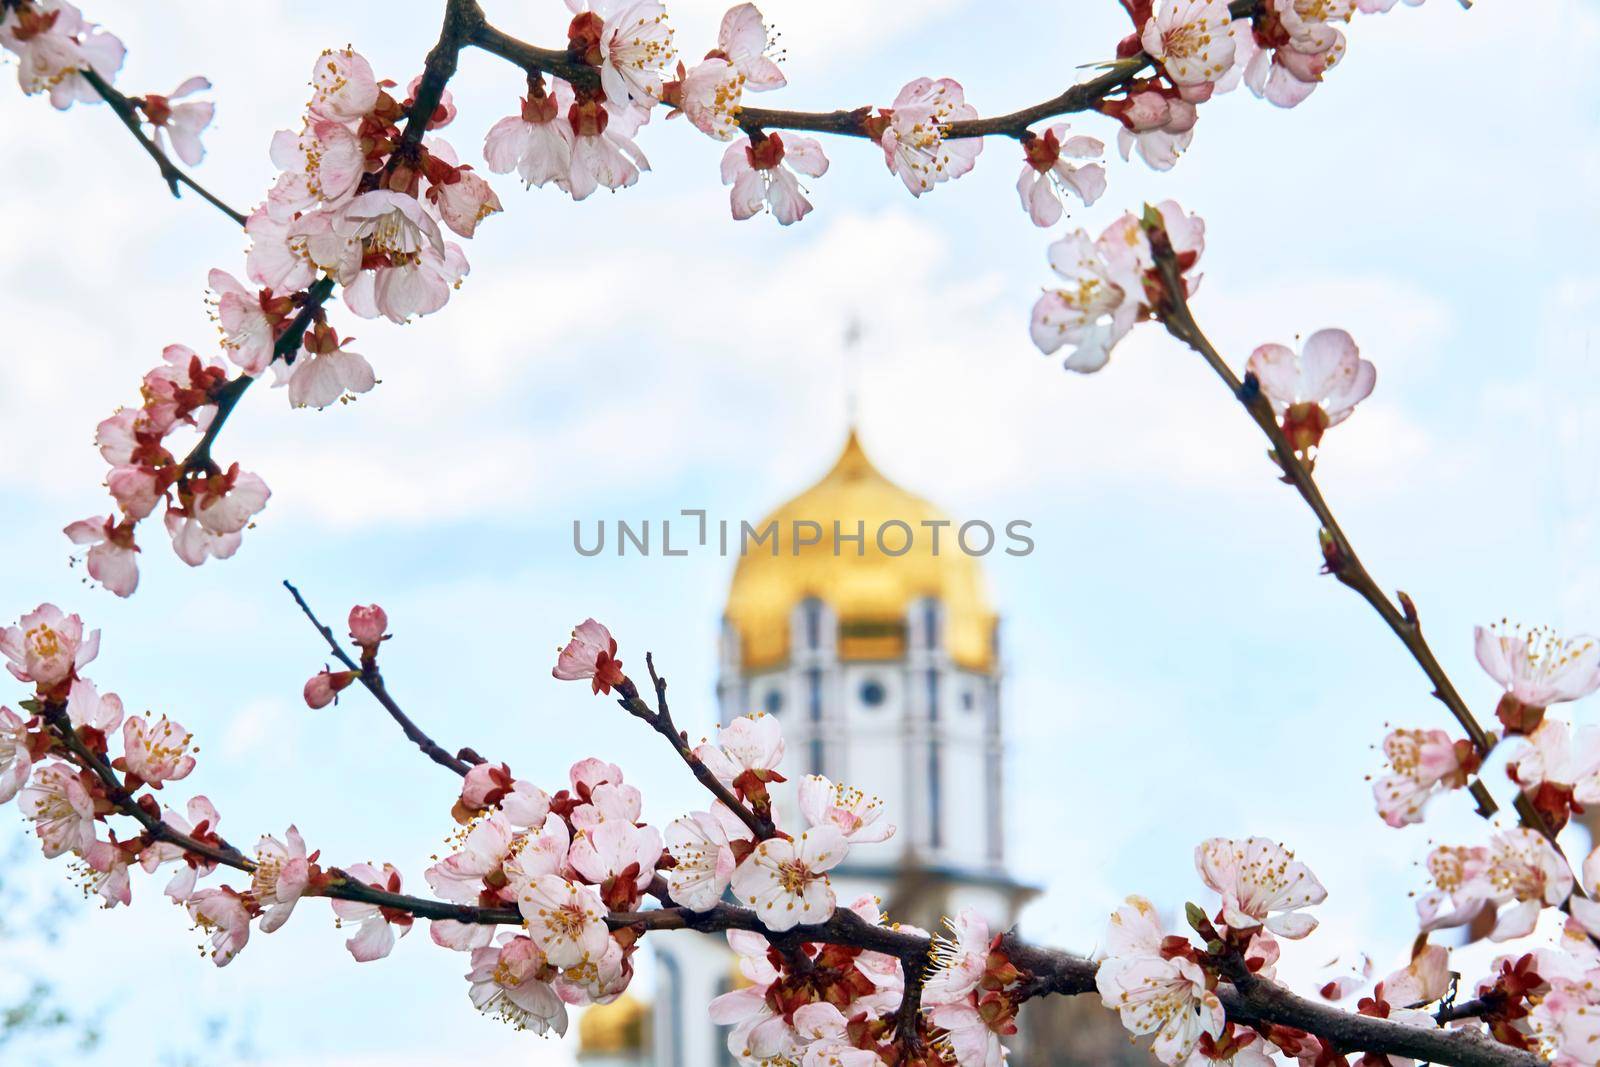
{"x":881,"y":658}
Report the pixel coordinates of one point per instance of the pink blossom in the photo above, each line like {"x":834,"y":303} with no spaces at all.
{"x":320,"y":241}
{"x":786,"y":882}
{"x":703,"y":862}
{"x":181,"y":123}
{"x":1558,"y":769}
{"x":375,"y":936}
{"x":157,"y":751}
{"x":324,"y":687}
{"x":508,"y":981}
{"x":744,"y":39}
{"x":410,"y":285}
{"x":249,"y":334}
{"x":590,"y":654}
{"x":710,"y":94}
{"x":321,"y":377}
{"x":226,"y":503}
{"x":750,"y":744}
{"x":87,"y":709}
{"x":137,"y":490}
{"x":959,"y":959}
{"x":1094,"y":307}
{"x":1568,"y":1018}
{"x":460,"y":877}
{"x":1152,"y":992}
{"x":1261,"y":884}
{"x":282,"y":875}
{"x":389,"y":223}
{"x":1159,"y":125}
{"x":973,"y":1042}
{"x":618,"y":857}
{"x":343,"y":86}
{"x":216,"y":509}
{"x":53,"y":43}
{"x":636,"y":51}
{"x":608,"y":802}
{"x":1316,"y":389}
{"x":222,"y":915}
{"x":200,"y":823}
{"x":603,"y":152}
{"x":131,"y":432}
{"x":464,"y":201}
{"x":535,"y":855}
{"x":1193,"y":40}
{"x":596,"y":979}
{"x":537,"y":141}
{"x":1047,"y":174}
{"x":16,"y":754}
{"x":107,"y":871}
{"x":854,"y":813}
{"x":1536,"y":666}
{"x":1287,"y":63}
{"x":276,"y":259}
{"x":913,"y":134}
{"x":1422,"y":763}
{"x":759,"y":1034}
{"x":566,"y":920}
{"x":113,"y":558}
{"x":60,"y":808}
{"x":489,"y":785}
{"x":47,"y":647}
{"x":1425,"y":979}
{"x":193,"y":543}
{"x":823,"y":1031}
{"x":320,"y":166}
{"x":368,"y":626}
{"x":764,"y":175}
{"x":1519,"y":865}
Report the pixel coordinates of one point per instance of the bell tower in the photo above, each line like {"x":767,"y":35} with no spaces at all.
{"x":857,"y":619}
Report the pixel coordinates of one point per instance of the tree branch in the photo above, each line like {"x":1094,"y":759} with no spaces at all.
{"x":845,"y":122}
{"x":760,"y":826}
{"x":1179,"y":320}
{"x":170,"y":171}
{"x":372,"y":680}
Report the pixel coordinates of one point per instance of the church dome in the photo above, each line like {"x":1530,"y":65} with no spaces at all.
{"x":868,"y":590}
{"x":614,"y":1030}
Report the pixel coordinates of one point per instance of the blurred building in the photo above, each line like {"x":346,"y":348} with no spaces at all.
{"x":884,"y":667}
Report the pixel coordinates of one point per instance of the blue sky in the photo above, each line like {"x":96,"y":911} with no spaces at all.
{"x":1177,"y":668}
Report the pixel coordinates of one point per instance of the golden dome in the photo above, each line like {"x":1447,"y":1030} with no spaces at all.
{"x":868,"y":590}
{"x":613,"y":1029}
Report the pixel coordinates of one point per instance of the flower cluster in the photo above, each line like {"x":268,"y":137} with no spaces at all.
{"x":578,"y":878}
{"x":1110,"y":283}
{"x":1166,"y":985}
{"x":1199,"y":49}
{"x":75,"y":758}
{"x":54,"y":44}
{"x":972,"y":995}
{"x":358,"y":204}
{"x":812,"y":1003}
{"x":367,"y":190}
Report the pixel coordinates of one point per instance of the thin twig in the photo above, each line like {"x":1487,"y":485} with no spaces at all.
{"x":372,"y":680}
{"x":848,"y":122}
{"x":761,"y":826}
{"x":1402,"y":619}
{"x":171,"y":173}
